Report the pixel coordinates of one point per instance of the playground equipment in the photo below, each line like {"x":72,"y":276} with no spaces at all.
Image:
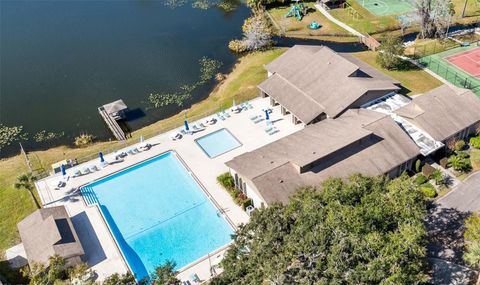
{"x":298,"y":10}
{"x":314,"y":25}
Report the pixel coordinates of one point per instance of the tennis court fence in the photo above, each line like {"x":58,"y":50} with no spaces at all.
{"x":437,"y":47}
{"x":451,"y":74}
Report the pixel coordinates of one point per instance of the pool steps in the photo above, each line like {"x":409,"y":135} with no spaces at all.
{"x":89,"y":196}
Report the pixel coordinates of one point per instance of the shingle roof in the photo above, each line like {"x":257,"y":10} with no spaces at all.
{"x":358,"y":141}
{"x":49,"y":231}
{"x":443,"y":111}
{"x":310,"y":80}
{"x":115,"y":106}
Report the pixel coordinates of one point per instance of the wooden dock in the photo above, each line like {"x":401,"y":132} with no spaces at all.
{"x":111,"y":113}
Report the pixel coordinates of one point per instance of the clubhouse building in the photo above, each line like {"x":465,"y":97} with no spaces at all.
{"x":354,"y":122}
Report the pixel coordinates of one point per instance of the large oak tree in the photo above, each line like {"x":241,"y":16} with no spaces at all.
{"x":368,"y":230}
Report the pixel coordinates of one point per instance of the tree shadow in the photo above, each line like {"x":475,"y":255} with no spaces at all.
{"x":72,"y":195}
{"x":445,"y":228}
{"x":10,"y":275}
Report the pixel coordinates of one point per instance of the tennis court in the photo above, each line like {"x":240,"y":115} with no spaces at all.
{"x":460,"y":66}
{"x":387,"y":7}
{"x":468,"y":61}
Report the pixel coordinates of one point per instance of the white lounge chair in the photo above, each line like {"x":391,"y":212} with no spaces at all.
{"x":93,"y":168}
{"x":85,"y":170}
{"x":175,"y":136}
{"x":225,"y":114}
{"x":258,"y":120}
{"x":220,"y":117}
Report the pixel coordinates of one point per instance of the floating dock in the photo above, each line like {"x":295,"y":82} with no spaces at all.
{"x":111,"y":113}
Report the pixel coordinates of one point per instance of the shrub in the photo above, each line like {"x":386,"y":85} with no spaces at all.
{"x":428,"y":170}
{"x":428,"y":190}
{"x":438,"y":177}
{"x":226,"y":180}
{"x":475,"y":142}
{"x":459,"y":145}
{"x":247,"y":202}
{"x":237,"y":46}
{"x":460,"y":162}
{"x":83,"y":140}
{"x":444,"y":162}
{"x":418,"y":166}
{"x":420,"y":179}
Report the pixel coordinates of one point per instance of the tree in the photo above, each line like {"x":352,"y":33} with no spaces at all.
{"x":120,"y":279}
{"x":81,"y":274}
{"x":41,"y":275}
{"x":26,"y":181}
{"x":365,"y":231}
{"x":257,"y":34}
{"x":165,"y":275}
{"x":390,"y":51}
{"x":435,"y":17}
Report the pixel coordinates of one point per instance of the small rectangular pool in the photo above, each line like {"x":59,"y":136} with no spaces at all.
{"x":156,"y":212}
{"x":217,"y":143}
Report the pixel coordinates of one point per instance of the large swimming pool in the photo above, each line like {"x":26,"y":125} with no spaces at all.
{"x":218,"y":143}
{"x":157,"y":211}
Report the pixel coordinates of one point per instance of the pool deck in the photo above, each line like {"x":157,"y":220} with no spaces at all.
{"x":101,"y":252}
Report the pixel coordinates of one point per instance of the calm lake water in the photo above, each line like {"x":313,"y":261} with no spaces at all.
{"x":60,"y":60}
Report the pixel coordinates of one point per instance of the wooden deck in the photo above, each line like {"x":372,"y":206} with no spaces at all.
{"x":112,"y":124}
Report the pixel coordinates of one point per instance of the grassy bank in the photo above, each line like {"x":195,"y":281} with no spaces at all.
{"x":413,"y":79}
{"x":16,"y":204}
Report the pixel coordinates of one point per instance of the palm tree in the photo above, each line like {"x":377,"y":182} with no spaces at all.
{"x":25,"y":181}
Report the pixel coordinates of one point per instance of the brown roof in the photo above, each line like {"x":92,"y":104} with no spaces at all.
{"x":358,"y":141}
{"x":443,"y":111}
{"x":49,"y":231}
{"x":311,"y":80}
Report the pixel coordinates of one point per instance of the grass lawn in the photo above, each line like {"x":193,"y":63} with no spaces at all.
{"x":291,"y":27}
{"x":414,"y":80}
{"x":475,"y":159}
{"x":16,"y":204}
{"x":423,"y":47}
{"x":366,"y":22}
{"x":472,"y":10}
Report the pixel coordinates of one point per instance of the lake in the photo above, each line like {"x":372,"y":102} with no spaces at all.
{"x":60,"y":60}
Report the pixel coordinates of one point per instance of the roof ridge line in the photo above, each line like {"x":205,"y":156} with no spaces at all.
{"x":300,"y":90}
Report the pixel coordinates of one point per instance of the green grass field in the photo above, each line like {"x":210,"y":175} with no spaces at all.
{"x":365,"y":22}
{"x":414,"y":80}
